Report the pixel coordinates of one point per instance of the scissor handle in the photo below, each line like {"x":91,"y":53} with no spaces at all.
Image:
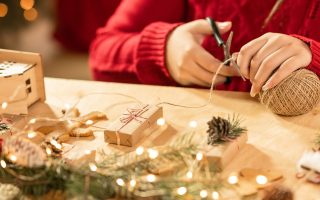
{"x":216,"y":33}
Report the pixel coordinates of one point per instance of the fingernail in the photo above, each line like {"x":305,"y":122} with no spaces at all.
{"x":223,"y":24}
{"x":265,"y":87}
{"x":252,"y":93}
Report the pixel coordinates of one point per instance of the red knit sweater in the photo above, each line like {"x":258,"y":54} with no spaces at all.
{"x":131,"y":47}
{"x":77,"y":21}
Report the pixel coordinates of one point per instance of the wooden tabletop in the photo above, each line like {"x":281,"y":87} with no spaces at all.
{"x":274,"y":142}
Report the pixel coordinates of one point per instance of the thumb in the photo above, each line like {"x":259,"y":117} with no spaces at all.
{"x":201,"y":26}
{"x":224,"y":26}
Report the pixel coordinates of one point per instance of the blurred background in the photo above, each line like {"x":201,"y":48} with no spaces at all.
{"x":61,"y":30}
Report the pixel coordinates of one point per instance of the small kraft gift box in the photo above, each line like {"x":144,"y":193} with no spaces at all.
{"x":133,"y":125}
{"x":222,"y":154}
{"x":21,"y":81}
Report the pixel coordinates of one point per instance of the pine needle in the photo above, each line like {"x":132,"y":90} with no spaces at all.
{"x":236,"y":128}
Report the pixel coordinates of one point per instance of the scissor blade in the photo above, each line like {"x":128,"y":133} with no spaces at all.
{"x":228,"y":43}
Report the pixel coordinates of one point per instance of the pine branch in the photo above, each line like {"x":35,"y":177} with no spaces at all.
{"x":178,"y":158}
{"x":39,"y":182}
{"x":85,"y":184}
{"x":236,"y":128}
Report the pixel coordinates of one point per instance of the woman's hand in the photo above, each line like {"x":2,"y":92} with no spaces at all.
{"x":187,"y":61}
{"x":269,"y":59}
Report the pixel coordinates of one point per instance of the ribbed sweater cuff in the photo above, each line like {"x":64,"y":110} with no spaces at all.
{"x":315,"y":50}
{"x":151,"y":64}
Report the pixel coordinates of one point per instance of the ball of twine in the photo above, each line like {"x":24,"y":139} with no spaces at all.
{"x":297,"y":94}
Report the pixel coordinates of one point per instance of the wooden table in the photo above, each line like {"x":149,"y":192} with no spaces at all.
{"x":274,"y":142}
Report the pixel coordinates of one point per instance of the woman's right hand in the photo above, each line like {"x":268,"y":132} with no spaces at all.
{"x":188,"y":62}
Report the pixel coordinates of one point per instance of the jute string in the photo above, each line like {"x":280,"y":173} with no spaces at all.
{"x":213,"y":80}
{"x":297,"y":94}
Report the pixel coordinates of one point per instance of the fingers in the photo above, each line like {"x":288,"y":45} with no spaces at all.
{"x":201,"y":26}
{"x":211,"y":64}
{"x":201,"y":74}
{"x":269,"y":47}
{"x":267,"y":67}
{"x":194,"y":81}
{"x":224,"y":26}
{"x":191,"y":80}
{"x":219,"y":80}
{"x":285,"y":69}
{"x":187,"y":61}
{"x":269,"y":59}
{"x":246,"y":54}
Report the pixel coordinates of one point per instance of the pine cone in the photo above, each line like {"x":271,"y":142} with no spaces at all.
{"x":218,"y":131}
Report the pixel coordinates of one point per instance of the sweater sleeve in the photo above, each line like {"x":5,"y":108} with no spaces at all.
{"x":315,"y":50}
{"x":131,"y":47}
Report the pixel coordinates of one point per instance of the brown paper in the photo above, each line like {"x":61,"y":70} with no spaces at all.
{"x":132,"y":125}
{"x":222,"y":154}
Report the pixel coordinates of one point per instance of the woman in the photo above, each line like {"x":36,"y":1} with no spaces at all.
{"x":168,"y":42}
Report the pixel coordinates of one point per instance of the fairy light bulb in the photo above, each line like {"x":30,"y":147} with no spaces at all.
{"x":189,"y":174}
{"x":233,"y":179}
{"x":4,"y":105}
{"x":3,"y":10}
{"x":193,"y":124}
{"x":161,"y":122}
{"x":139,"y":151}
{"x":199,"y":156}
{"x":53,"y":142}
{"x":13,"y":158}
{"x":151,"y":178}
{"x":153,"y":154}
{"x":203,"y":193}
{"x":49,"y":151}
{"x":215,"y":195}
{"x":133,"y":183}
{"x":87,"y":151}
{"x":31,"y":14}
{"x":32,"y":134}
{"x":32,"y":121}
{"x":261,"y":180}
{"x":26,"y":4}
{"x":3,"y":164}
{"x":58,"y":146}
{"x":89,"y":122}
{"x":120,"y":182}
{"x":67,"y":106}
{"x":93,"y":167}
{"x":182,"y":191}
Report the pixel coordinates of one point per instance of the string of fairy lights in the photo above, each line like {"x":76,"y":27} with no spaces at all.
{"x":151,"y":153}
{"x":30,"y":13}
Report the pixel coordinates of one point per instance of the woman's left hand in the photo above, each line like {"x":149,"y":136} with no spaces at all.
{"x":269,"y":59}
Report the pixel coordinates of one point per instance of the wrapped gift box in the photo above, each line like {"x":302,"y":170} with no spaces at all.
{"x":222,"y":154}
{"x":132,"y":125}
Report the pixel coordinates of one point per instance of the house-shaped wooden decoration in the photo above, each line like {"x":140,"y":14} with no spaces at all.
{"x":21,"y":81}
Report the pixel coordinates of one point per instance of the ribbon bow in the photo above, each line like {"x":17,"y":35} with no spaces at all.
{"x":133,"y":114}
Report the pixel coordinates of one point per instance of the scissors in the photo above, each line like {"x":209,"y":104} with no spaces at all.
{"x":225,"y":46}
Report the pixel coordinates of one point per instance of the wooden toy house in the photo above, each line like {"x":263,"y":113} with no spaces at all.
{"x":21,"y":81}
